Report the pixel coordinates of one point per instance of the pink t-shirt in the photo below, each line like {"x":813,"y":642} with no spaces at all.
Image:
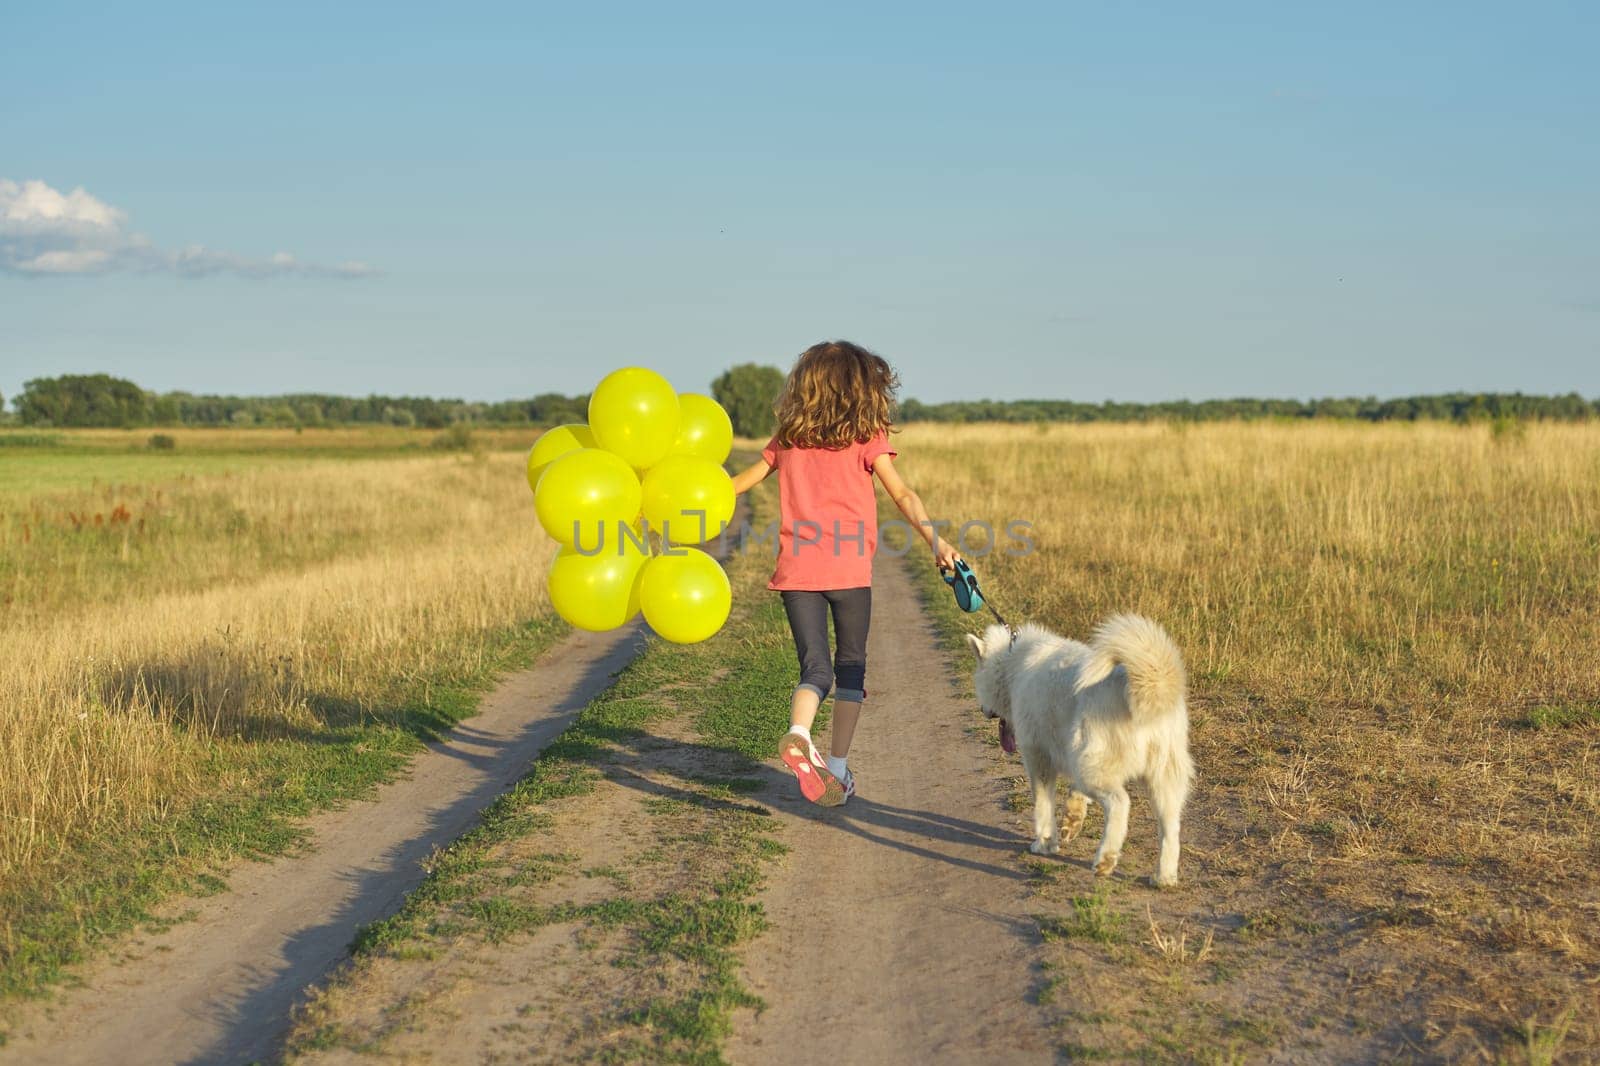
{"x":828,"y":514}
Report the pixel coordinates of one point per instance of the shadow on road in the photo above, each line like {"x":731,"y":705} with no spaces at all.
{"x":255,"y":1023}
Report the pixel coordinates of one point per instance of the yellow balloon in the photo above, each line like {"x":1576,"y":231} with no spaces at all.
{"x":553,"y":444}
{"x":634,"y":413}
{"x":687,"y":500}
{"x":585,"y":494}
{"x":704,"y":428}
{"x":600,"y":591}
{"x":685,"y":595}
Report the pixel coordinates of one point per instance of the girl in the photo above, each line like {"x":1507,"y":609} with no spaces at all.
{"x":833,"y":435}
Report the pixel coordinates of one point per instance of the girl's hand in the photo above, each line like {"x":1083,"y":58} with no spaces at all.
{"x":945,"y":554}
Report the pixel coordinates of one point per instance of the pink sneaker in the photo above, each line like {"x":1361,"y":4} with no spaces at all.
{"x":817,"y":784}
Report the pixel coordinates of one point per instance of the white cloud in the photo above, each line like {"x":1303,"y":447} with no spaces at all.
{"x":46,"y":231}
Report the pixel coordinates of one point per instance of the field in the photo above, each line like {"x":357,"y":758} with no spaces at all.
{"x":198,"y":641}
{"x":1393,"y":634}
{"x":43,"y":461}
{"x":1392,"y":631}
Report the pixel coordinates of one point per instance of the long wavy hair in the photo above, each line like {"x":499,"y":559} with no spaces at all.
{"x":838,"y":393}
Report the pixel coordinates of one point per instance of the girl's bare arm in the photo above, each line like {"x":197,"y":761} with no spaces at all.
{"x":910,"y":505}
{"x":750,"y":477}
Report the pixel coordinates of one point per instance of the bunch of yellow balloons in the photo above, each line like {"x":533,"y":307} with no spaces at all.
{"x":645,"y":470}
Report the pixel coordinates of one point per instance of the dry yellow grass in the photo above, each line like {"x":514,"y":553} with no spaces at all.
{"x":1353,"y":563}
{"x":1394,"y":639}
{"x":234,"y":608}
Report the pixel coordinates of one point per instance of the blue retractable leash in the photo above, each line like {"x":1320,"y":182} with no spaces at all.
{"x":964,"y":583}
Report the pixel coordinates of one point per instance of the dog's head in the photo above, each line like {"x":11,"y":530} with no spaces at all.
{"x":990,"y":678}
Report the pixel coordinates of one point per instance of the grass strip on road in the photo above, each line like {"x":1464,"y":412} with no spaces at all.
{"x":628,"y":838}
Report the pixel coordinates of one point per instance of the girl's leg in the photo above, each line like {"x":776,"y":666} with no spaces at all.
{"x":852,"y":617}
{"x":803,"y":707}
{"x":808,"y":622}
{"x":846,"y":713}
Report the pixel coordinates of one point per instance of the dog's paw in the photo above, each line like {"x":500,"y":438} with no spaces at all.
{"x":1077,"y":809}
{"x":1104,"y":865}
{"x":1045,"y":847}
{"x":1160,"y":881}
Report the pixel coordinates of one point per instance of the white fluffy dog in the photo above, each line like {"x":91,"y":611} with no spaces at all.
{"x":1101,"y":715}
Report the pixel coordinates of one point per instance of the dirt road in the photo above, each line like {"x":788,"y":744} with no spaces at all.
{"x":220,"y":987}
{"x":898,"y":929}
{"x":899,"y":926}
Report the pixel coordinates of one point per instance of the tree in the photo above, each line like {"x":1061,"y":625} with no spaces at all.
{"x":554,"y":409}
{"x":427,"y":412}
{"x":165,"y":411}
{"x":277,"y":414}
{"x":748,"y":392}
{"x":83,"y":400}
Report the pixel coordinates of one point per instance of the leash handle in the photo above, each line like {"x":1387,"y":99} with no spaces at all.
{"x":969,"y":597}
{"x":964,"y":583}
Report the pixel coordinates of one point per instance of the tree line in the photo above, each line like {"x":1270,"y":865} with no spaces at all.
{"x":1452,"y":407}
{"x":747,"y":391}
{"x":88,"y":400}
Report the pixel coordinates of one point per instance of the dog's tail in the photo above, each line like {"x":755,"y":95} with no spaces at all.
{"x":1156,"y":677}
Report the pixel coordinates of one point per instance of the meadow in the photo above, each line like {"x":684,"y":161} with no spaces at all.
{"x":34,"y":461}
{"x":199,"y":642}
{"x":1392,"y":631}
{"x":1393,"y":635}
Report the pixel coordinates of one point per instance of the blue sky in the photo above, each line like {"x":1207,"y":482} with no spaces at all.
{"x":1085,"y":201}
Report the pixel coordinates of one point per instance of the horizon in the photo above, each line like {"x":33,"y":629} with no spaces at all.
{"x":9,"y":398}
{"x":1112,"y":205}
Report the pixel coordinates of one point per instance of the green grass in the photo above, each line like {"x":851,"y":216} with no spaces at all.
{"x":1089,"y":918}
{"x":748,"y":708}
{"x":1541,"y":1043}
{"x":1563,"y":716}
{"x":63,"y":469}
{"x":1052,"y":982}
{"x":64,"y":460}
{"x":111,"y":886}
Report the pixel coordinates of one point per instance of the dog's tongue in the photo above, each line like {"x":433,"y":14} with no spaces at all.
{"x":1008,"y":739}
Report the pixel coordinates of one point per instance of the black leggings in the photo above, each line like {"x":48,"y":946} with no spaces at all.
{"x":808,"y":620}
